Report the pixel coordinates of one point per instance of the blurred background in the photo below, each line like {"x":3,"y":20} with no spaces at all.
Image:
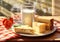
{"x":42,"y":7}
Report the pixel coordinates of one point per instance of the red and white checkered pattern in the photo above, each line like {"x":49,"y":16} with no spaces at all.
{"x":6,"y":34}
{"x":1,"y":20}
{"x":57,"y":24}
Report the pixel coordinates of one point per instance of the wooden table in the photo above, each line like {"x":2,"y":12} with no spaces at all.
{"x":52,"y":37}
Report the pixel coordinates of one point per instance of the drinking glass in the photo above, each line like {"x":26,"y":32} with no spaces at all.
{"x":28,"y":11}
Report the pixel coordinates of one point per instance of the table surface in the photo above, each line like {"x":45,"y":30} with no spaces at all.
{"x":52,"y":37}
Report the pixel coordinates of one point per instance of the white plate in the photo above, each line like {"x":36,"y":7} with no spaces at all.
{"x":39,"y":34}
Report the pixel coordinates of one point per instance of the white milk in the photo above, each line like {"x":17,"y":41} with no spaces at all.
{"x":27,"y":16}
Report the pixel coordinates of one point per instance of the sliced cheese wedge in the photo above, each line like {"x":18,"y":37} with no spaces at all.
{"x":39,"y":27}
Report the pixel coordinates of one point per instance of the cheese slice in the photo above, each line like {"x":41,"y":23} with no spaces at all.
{"x":39,"y":27}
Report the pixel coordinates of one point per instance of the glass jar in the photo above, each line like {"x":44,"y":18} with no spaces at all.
{"x":28,"y":12}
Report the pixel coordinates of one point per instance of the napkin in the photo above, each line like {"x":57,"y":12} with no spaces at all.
{"x":6,"y":34}
{"x":57,"y":25}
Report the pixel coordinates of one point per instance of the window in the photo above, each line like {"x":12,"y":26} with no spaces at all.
{"x":45,"y":6}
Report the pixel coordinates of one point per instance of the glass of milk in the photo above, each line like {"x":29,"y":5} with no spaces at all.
{"x":28,"y":15}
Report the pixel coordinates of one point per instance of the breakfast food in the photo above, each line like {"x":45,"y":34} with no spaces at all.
{"x":43,"y":19}
{"x":39,"y":27}
{"x":24,"y":29}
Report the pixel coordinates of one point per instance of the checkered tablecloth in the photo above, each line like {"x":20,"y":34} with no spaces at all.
{"x":6,"y":34}
{"x":57,"y":25}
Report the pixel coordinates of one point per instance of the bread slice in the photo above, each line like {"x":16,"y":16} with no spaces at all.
{"x":24,"y":29}
{"x":45,"y":19}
